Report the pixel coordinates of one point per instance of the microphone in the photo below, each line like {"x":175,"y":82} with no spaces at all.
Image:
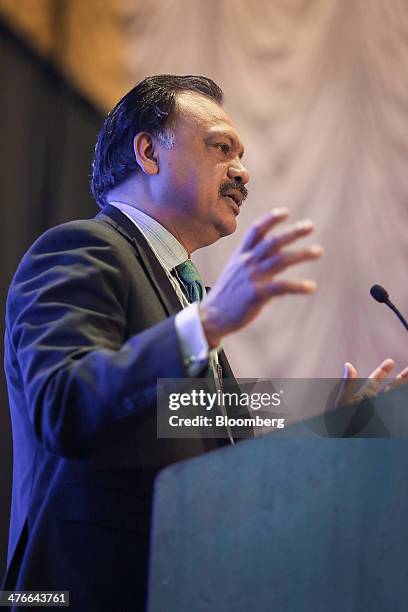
{"x":381,"y":295}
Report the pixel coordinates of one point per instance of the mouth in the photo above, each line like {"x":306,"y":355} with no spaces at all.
{"x":234,"y":201}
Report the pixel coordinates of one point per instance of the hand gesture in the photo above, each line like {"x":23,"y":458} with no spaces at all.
{"x":350,"y":394}
{"x":249,"y":280}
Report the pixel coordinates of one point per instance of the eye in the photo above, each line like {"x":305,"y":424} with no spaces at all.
{"x":225,"y":148}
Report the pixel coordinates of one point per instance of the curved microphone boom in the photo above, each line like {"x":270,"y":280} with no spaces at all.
{"x":381,"y":295}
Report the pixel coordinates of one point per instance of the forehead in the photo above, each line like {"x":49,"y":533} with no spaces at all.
{"x":196,"y":112}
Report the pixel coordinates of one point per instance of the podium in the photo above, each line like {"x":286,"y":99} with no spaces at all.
{"x":290,"y":522}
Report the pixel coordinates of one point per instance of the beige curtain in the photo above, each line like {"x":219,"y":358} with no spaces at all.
{"x":319,"y":92}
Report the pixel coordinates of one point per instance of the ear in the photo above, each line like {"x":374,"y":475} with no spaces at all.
{"x":145,"y":153}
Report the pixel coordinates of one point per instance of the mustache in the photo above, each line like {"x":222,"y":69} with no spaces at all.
{"x":228,"y":187}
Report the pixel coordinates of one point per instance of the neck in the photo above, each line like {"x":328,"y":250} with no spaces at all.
{"x":176,"y":227}
{"x":137,"y":194}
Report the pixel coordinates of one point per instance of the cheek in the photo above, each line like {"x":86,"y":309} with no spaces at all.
{"x":181,"y":185}
{"x":183,"y":176}
{"x":195,"y":179}
{"x":200,"y":186}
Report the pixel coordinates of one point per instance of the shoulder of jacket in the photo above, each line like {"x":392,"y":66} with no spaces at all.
{"x":80,"y":233}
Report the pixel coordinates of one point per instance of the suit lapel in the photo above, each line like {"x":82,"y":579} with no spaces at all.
{"x":155,"y":272}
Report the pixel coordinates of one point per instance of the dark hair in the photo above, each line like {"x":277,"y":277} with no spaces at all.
{"x":146,"y":107}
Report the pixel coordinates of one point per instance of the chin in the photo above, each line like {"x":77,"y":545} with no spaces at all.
{"x":218,"y":231}
{"x":227,"y":227}
{"x":225,"y":219}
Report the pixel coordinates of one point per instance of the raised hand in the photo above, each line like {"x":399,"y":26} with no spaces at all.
{"x":248,"y":282}
{"x":349,"y":392}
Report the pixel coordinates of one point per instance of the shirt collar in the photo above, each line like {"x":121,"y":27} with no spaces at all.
{"x":167,"y":248}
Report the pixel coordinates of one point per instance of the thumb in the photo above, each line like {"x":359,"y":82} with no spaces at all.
{"x":350,"y":371}
{"x":349,"y":385}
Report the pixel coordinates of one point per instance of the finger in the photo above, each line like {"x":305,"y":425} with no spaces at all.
{"x":403,"y":375}
{"x":270,"y":289}
{"x":348,"y":387}
{"x":258,"y":229}
{"x":379,"y":374}
{"x":271,"y":245}
{"x":383,"y":370}
{"x":399,"y":380}
{"x":285,"y":259}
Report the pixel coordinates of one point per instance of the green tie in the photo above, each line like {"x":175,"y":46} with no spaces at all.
{"x":190,"y":278}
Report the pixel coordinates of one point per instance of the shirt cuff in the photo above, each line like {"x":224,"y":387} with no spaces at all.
{"x":193,"y":343}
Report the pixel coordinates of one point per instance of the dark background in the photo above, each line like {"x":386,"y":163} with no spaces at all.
{"x":48,"y":132}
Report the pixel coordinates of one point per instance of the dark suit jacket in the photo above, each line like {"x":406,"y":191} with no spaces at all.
{"x":89,"y":329}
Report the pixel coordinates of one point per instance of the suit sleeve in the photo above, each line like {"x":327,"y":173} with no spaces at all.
{"x":66,"y":318}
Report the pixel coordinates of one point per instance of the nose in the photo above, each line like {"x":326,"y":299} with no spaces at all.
{"x":238,"y":173}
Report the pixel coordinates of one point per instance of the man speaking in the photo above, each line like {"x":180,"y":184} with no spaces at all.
{"x":99,"y":309}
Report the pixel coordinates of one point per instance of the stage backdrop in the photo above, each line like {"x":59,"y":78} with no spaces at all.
{"x":318,"y":90}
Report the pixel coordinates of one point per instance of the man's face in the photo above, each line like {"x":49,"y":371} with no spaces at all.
{"x":201,"y":169}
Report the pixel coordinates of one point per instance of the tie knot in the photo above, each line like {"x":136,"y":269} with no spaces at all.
{"x":190,"y":277}
{"x":188,"y":272}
